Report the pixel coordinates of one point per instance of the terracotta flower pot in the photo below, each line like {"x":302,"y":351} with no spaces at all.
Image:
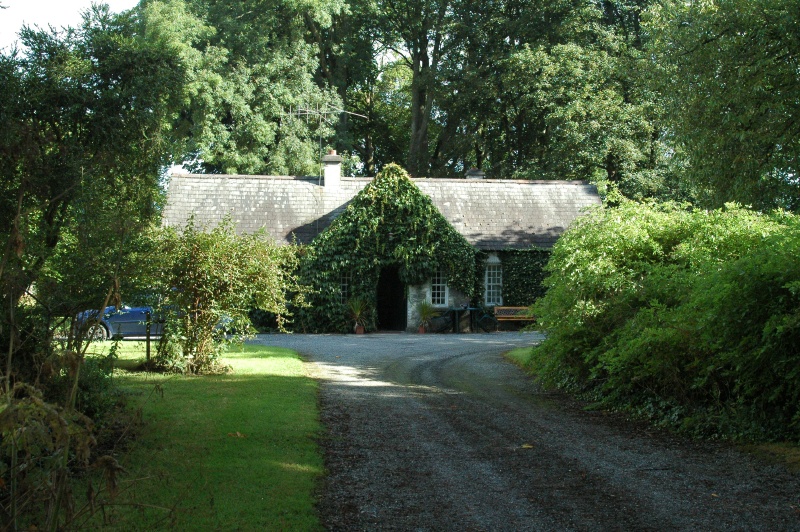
{"x":421,"y":329}
{"x":359,"y":329}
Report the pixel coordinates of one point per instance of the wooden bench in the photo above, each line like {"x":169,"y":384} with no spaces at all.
{"x":513,"y":314}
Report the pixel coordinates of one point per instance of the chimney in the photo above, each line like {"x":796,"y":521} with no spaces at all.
{"x":475,"y":173}
{"x":332,"y":170}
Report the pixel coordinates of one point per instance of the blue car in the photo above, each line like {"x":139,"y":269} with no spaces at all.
{"x":127,"y":322}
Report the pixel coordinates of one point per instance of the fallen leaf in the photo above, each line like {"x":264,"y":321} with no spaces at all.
{"x":714,"y":495}
{"x":527,"y":446}
{"x":236,"y":434}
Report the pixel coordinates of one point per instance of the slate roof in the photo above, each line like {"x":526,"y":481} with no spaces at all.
{"x":490,"y":214}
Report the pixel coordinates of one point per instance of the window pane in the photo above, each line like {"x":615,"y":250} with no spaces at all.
{"x":344,"y":286}
{"x":439,"y":289}
{"x":493,"y":294}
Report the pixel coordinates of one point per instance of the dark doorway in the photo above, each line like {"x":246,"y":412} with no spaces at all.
{"x":391,"y":300}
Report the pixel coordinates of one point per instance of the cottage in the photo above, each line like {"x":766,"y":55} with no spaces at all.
{"x":492,"y":215}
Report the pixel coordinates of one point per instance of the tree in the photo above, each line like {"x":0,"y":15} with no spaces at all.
{"x":252,"y":103}
{"x":353,"y":54}
{"x":85,"y":135}
{"x":729,"y":78}
{"x":519,"y":89}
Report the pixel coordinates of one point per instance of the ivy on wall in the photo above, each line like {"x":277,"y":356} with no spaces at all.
{"x":389,"y":223}
{"x":523,"y":273}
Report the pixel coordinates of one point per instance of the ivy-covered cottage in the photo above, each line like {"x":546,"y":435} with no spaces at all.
{"x":392,"y":240}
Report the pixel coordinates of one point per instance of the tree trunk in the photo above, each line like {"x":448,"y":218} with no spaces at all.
{"x":418,"y":138}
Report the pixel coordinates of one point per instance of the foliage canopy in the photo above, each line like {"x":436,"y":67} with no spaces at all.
{"x":728,"y":76}
{"x":248,"y":87}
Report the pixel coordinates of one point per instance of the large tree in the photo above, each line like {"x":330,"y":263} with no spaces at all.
{"x":86,"y":117}
{"x":730,"y":79}
{"x":519,"y":89}
{"x":252,"y":104}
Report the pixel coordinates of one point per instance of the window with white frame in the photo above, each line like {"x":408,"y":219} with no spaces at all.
{"x":493,"y":290}
{"x":344,"y":286}
{"x":439,"y":289}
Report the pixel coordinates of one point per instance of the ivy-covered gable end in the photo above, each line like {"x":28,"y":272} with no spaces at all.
{"x":389,"y":224}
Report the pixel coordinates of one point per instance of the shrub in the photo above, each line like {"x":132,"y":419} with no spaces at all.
{"x":212,"y":279}
{"x":39,"y":443}
{"x":96,"y":394}
{"x":688,"y":317}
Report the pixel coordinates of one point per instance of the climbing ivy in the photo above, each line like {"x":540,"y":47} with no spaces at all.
{"x":523,"y":273}
{"x":389,"y":223}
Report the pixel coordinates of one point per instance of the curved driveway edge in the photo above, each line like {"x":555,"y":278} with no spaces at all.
{"x":439,"y":432}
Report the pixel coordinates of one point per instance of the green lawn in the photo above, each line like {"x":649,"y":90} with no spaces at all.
{"x":226,"y":452}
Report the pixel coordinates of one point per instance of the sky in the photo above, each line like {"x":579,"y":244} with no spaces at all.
{"x":57,"y":13}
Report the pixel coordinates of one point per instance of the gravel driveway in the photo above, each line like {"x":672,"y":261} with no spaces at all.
{"x":439,"y":432}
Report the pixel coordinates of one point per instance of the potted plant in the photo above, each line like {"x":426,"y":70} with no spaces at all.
{"x":357,"y":309}
{"x":426,"y":313}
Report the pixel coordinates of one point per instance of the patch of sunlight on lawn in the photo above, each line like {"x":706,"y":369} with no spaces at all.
{"x":299,"y":468}
{"x":260,"y":360}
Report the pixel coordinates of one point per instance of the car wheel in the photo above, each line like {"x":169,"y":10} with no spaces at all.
{"x":97,"y":332}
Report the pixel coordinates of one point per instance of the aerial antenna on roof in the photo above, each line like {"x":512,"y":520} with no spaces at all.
{"x":325,"y":114}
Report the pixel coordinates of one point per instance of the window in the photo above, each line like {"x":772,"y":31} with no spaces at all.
{"x":439,"y":289}
{"x":344,"y":286}
{"x":493,"y":294}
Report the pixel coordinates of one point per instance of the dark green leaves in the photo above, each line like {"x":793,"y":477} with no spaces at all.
{"x":729,"y":76}
{"x":685,"y":316}
{"x":210,"y":280}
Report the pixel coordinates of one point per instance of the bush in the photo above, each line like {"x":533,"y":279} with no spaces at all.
{"x":211,"y":280}
{"x":96,"y":394}
{"x":688,"y":317}
{"x":39,"y":444}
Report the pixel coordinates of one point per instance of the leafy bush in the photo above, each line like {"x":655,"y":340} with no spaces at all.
{"x":211,"y":280}
{"x":95,"y":395}
{"x":688,"y":317}
{"x":39,"y":443}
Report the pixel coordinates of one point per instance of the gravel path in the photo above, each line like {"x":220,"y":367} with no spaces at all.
{"x":439,"y":432}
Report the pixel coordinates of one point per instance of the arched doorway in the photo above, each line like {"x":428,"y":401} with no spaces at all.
{"x":391,"y":300}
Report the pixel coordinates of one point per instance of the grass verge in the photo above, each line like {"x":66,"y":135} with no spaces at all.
{"x":223,"y":452}
{"x":520,"y":356}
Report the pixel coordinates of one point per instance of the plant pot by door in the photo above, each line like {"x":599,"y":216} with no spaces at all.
{"x":421,"y":329}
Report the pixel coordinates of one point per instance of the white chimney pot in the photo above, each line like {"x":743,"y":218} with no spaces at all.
{"x":332,"y":170}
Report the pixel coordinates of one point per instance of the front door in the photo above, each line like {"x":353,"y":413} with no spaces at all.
{"x":391,"y":300}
